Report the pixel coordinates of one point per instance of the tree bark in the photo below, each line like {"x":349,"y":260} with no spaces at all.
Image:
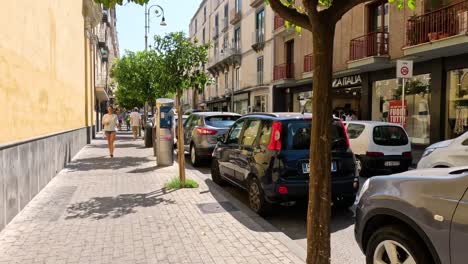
{"x":319,"y":209}
{"x":180,"y":141}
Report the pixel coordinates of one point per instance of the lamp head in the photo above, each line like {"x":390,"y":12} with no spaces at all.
{"x":163,"y":22}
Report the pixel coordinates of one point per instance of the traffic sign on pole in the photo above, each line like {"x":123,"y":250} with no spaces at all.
{"x":404,"y":69}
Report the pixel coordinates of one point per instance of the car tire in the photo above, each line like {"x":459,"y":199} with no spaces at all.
{"x":215,"y":174}
{"x":257,"y":201}
{"x":361,"y":168}
{"x":194,"y":158}
{"x":399,"y":239}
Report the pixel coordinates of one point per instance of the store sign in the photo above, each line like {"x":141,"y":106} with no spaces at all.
{"x":404,"y":69}
{"x":346,"y":81}
{"x":397,"y":113}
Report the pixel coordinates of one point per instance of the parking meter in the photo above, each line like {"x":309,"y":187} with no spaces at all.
{"x":164,"y":134}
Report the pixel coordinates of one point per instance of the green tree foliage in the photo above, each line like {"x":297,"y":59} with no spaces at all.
{"x":138,"y":75}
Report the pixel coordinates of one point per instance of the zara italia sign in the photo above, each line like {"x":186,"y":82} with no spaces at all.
{"x":347,"y":81}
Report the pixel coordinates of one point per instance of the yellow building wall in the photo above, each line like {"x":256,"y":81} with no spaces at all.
{"x":42,"y":68}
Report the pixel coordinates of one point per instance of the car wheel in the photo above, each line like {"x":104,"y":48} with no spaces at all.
{"x":257,"y":200}
{"x":396,"y":244}
{"x":360,"y":168}
{"x":193,"y":156}
{"x":215,"y":174}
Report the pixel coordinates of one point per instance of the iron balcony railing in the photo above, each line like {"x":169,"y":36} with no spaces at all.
{"x":369,"y":45}
{"x":439,"y":24}
{"x":283,"y":71}
{"x":279,"y":22}
{"x":308,"y":63}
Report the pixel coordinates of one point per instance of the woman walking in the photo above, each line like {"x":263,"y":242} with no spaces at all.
{"x":110,"y":121}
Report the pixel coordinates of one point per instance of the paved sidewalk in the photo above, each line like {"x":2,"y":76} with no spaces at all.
{"x":103,"y":210}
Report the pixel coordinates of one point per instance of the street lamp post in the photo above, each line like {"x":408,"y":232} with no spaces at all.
{"x":158,"y":12}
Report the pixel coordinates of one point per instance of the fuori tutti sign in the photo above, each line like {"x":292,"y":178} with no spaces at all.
{"x":347,"y":81}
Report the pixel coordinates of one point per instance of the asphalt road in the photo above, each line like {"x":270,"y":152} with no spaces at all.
{"x":292,"y":220}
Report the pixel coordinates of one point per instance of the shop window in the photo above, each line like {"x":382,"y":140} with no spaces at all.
{"x":301,"y":101}
{"x":458,"y":103}
{"x":260,"y":103}
{"x":413,"y":113}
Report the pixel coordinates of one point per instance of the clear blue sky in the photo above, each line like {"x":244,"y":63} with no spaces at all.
{"x":131,"y":21}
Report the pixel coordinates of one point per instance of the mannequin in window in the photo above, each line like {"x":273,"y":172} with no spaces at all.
{"x":385,"y":110}
{"x":423,"y":111}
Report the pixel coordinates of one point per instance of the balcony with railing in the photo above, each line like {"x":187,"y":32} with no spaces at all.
{"x":370,"y":51}
{"x":221,"y":60}
{"x":225,"y":25}
{"x":236,"y":15}
{"x":440,"y":29}
{"x":283,"y":71}
{"x":308,"y":63}
{"x":258,"y":40}
{"x":102,"y":88}
{"x":279,"y":22}
{"x":369,"y":45}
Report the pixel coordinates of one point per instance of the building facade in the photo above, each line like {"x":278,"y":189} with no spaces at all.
{"x":241,"y":49}
{"x":369,"y":39}
{"x":48,"y":92}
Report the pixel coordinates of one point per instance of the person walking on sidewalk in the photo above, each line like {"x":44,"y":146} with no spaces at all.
{"x":135,"y":122}
{"x":110,"y":122}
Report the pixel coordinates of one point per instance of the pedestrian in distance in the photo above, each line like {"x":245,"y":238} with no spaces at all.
{"x":110,"y":122}
{"x":135,"y":122}
{"x":127,"y":120}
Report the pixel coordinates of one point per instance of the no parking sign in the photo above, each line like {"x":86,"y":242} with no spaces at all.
{"x":404,"y":69}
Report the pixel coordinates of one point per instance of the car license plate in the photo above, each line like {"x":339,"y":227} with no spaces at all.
{"x":306,"y":167}
{"x":392,"y":163}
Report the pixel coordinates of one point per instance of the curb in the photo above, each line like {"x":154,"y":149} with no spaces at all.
{"x":218,"y":191}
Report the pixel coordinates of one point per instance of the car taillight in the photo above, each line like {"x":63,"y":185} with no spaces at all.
{"x":407,"y":154}
{"x":346,"y":133}
{"x":206,"y":131}
{"x":275,"y":140}
{"x":374,"y":154}
{"x":283,"y":190}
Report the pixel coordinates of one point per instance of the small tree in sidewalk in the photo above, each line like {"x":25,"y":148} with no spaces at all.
{"x":183,"y":69}
{"x":320,"y":18}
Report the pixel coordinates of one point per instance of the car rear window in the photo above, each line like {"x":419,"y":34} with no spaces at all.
{"x":298,"y":135}
{"x":390,"y":136}
{"x":221,"y":120}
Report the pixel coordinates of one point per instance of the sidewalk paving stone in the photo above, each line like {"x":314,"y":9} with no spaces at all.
{"x":117,"y":210}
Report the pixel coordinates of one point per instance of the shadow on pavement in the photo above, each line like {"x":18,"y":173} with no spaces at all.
{"x":104,"y":163}
{"x":144,"y":170}
{"x":115,"y":207}
{"x":118,"y":146}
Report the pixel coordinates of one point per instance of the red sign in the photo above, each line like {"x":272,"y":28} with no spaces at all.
{"x":404,"y":70}
{"x":397,"y":114}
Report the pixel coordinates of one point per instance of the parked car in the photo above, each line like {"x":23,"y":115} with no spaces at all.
{"x":201,"y":130}
{"x":419,"y":216}
{"x":380,"y":147}
{"x":267,"y":154}
{"x":448,"y":153}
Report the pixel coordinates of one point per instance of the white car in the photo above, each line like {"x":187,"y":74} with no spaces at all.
{"x":444,"y":154}
{"x":379,"y":147}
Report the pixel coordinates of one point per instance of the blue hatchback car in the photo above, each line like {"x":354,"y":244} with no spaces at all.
{"x":267,"y":154}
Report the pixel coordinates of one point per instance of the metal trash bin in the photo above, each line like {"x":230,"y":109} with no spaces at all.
{"x":164,"y":134}
{"x":148,"y":136}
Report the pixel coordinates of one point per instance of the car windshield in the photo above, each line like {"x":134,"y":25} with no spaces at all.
{"x":390,"y":136}
{"x":298,"y":135}
{"x":221,"y":120}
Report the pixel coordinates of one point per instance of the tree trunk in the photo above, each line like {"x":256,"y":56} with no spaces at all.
{"x":180,"y":141}
{"x":319,"y":210}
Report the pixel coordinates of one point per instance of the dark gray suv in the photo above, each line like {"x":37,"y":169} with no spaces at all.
{"x":419,"y":216}
{"x":201,"y":130}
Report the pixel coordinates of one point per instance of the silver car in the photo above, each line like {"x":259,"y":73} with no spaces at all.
{"x":201,"y":131}
{"x":419,"y":216}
